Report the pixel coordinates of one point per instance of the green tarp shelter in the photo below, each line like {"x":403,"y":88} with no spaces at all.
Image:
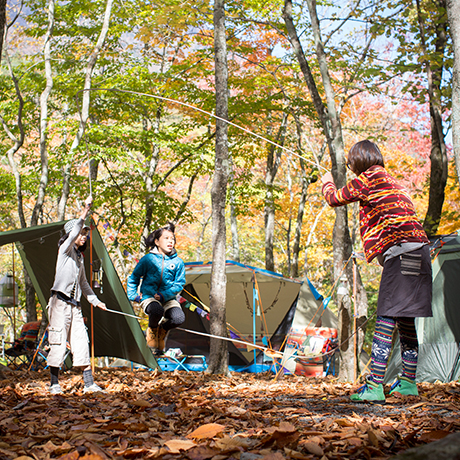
{"x":439,"y":336}
{"x":115,"y":335}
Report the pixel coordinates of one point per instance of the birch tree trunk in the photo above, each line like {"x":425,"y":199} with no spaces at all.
{"x":332,"y":128}
{"x":453,"y":14}
{"x":233,"y":220}
{"x":18,"y":142}
{"x":2,"y":24}
{"x":44,"y":98}
{"x":273,"y":161}
{"x":84,"y":114}
{"x":218,"y":348}
{"x":438,"y":154}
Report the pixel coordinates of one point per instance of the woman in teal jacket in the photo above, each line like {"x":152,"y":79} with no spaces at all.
{"x":161,"y":276}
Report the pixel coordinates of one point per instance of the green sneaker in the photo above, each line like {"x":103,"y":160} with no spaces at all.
{"x":370,"y":391}
{"x":404,"y":386}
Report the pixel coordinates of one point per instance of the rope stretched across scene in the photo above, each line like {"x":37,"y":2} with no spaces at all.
{"x":267,"y":350}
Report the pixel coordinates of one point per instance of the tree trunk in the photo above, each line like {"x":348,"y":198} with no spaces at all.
{"x":233,"y":220}
{"x":332,"y":128}
{"x":453,"y":14}
{"x":44,"y":97}
{"x":84,"y":114}
{"x":273,"y":161}
{"x":294,"y":271}
{"x":438,"y":155}
{"x":218,"y":324}
{"x":31,"y":309}
{"x":2,"y":24}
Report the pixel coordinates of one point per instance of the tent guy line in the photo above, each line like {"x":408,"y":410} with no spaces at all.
{"x":252,"y":345}
{"x":174,"y":101}
{"x":268,"y":351}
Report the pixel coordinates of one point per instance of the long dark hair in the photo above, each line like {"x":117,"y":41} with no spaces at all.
{"x":81,"y":248}
{"x":156,"y":234}
{"x":363,"y":155}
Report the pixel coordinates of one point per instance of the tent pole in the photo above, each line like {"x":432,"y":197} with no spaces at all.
{"x":14,"y":296}
{"x":91,"y":284}
{"x":254,"y":314}
{"x":457,"y":358}
{"x":354,"y":320}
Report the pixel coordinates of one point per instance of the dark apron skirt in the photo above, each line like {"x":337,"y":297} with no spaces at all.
{"x":406,"y":285}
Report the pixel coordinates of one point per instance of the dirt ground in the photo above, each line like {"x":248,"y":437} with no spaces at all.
{"x":172,"y":415}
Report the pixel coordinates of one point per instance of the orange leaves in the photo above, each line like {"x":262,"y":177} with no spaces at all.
{"x":200,"y":417}
{"x":206,"y":431}
{"x":175,"y":446}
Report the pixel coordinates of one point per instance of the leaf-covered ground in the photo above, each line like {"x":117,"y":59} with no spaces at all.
{"x":196,"y":416}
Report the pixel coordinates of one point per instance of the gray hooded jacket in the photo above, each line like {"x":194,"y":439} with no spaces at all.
{"x":70,"y":269}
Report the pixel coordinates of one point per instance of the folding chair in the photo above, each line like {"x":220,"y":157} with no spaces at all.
{"x":174,"y":359}
{"x":2,"y":354}
{"x":39,"y":358}
{"x":19,"y":354}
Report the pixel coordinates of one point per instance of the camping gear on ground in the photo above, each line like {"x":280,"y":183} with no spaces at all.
{"x":314,"y":351}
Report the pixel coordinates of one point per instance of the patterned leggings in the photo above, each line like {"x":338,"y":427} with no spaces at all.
{"x":381,"y":346}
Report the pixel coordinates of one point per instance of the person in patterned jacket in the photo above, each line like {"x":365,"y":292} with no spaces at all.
{"x":390,"y":232}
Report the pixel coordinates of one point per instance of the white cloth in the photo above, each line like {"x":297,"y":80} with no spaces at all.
{"x":66,"y":324}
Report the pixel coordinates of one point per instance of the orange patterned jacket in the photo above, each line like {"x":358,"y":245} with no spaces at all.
{"x":386,"y":214}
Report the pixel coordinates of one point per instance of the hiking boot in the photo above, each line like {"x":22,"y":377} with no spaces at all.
{"x":404,"y":386}
{"x":93,"y":388}
{"x":55,"y":389}
{"x":162,"y":335}
{"x":152,"y":337}
{"x":370,"y":391}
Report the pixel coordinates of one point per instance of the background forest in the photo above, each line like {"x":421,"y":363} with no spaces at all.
{"x":117,"y":98}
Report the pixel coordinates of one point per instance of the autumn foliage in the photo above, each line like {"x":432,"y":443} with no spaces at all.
{"x":197,"y":416}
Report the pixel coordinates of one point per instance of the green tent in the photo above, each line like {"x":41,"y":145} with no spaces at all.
{"x":439,"y":336}
{"x":115,"y":335}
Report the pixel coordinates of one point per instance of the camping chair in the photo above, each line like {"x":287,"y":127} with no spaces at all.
{"x":39,"y":358}
{"x":173,"y":359}
{"x":22,"y":349}
{"x":331,"y":348}
{"x":2,"y":335}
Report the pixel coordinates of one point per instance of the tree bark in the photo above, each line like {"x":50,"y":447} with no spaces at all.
{"x":2,"y":24}
{"x":438,"y":155}
{"x":84,"y":114}
{"x":233,"y":220}
{"x":332,"y":128}
{"x":44,"y":98}
{"x":273,"y":161}
{"x":31,"y":305}
{"x":218,"y":324}
{"x":453,"y":14}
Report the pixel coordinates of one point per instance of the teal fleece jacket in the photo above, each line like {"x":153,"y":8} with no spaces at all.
{"x":157,"y":274}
